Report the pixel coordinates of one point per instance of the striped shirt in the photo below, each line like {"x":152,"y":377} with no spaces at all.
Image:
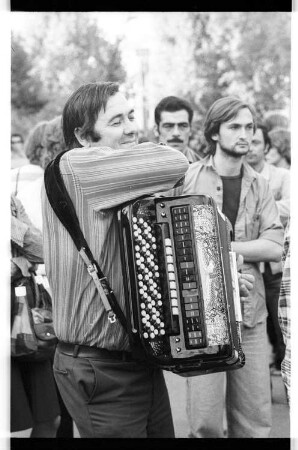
{"x":284,"y":311}
{"x":99,"y":180}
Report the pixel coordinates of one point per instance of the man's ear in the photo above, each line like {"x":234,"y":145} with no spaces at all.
{"x":82,"y":140}
{"x":155,"y":131}
{"x":214,"y":137}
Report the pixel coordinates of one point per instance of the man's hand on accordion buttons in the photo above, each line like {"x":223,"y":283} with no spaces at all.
{"x":246,"y":280}
{"x":246,"y":283}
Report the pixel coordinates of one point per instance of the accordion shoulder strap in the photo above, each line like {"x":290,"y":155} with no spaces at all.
{"x":64,"y":209}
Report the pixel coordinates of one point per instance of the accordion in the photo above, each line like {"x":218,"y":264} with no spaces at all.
{"x":180,"y":284}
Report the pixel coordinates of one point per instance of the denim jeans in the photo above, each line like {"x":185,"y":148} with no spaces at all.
{"x":247,"y":395}
{"x":114,"y":398}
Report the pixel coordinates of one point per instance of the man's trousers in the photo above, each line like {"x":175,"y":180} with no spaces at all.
{"x":247,"y":398}
{"x":114,"y":398}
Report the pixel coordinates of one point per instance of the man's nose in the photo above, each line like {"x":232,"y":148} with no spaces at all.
{"x":244,"y":133}
{"x":130,"y":127}
{"x":176,"y":131}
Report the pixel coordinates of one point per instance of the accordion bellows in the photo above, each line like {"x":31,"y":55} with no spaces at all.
{"x":180,"y":283}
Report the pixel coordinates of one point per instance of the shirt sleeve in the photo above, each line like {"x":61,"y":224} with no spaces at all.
{"x":283,"y":203}
{"x":270,"y":224}
{"x":25,"y":236}
{"x":108,"y":178}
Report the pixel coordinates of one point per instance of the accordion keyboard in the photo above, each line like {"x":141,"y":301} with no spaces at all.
{"x":190,"y":291}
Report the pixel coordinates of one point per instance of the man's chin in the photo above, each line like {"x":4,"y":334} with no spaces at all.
{"x":128,"y":144}
{"x":175,"y":146}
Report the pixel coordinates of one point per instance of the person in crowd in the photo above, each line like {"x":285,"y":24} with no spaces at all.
{"x":279,"y":182}
{"x":245,"y":198}
{"x":52,"y":141}
{"x":33,"y":145}
{"x":26,"y":180}
{"x":44,"y":141}
{"x":34,"y":402}
{"x":106,"y":392}
{"x":173,"y":118}
{"x":279,"y":153}
{"x":284,"y":312}
{"x":276,"y":119}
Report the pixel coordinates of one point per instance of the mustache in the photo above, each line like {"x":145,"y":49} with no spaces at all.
{"x":175,"y":141}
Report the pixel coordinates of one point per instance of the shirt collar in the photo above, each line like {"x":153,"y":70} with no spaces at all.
{"x":248,"y":171}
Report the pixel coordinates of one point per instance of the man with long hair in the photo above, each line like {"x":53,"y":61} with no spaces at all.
{"x":245,"y":198}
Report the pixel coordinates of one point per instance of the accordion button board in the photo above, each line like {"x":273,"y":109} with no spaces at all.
{"x":177,"y":278}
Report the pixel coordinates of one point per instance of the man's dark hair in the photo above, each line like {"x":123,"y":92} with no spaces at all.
{"x":172,"y":104}
{"x":222,"y":110}
{"x":13,"y":135}
{"x":82,"y":108}
{"x":264,"y":130}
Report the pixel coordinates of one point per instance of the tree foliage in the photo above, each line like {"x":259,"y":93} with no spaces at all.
{"x":26,"y":90}
{"x":244,"y":54}
{"x":67,"y":50}
{"x":81,"y":56}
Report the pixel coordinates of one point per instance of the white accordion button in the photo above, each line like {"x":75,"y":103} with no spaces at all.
{"x":168,"y":242}
{"x":173,"y":293}
{"x":175,"y":311}
{"x":171,"y":268}
{"x":174,"y":302}
{"x":169,"y":251}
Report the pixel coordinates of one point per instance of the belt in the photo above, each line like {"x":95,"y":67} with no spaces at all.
{"x":84,"y":351}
